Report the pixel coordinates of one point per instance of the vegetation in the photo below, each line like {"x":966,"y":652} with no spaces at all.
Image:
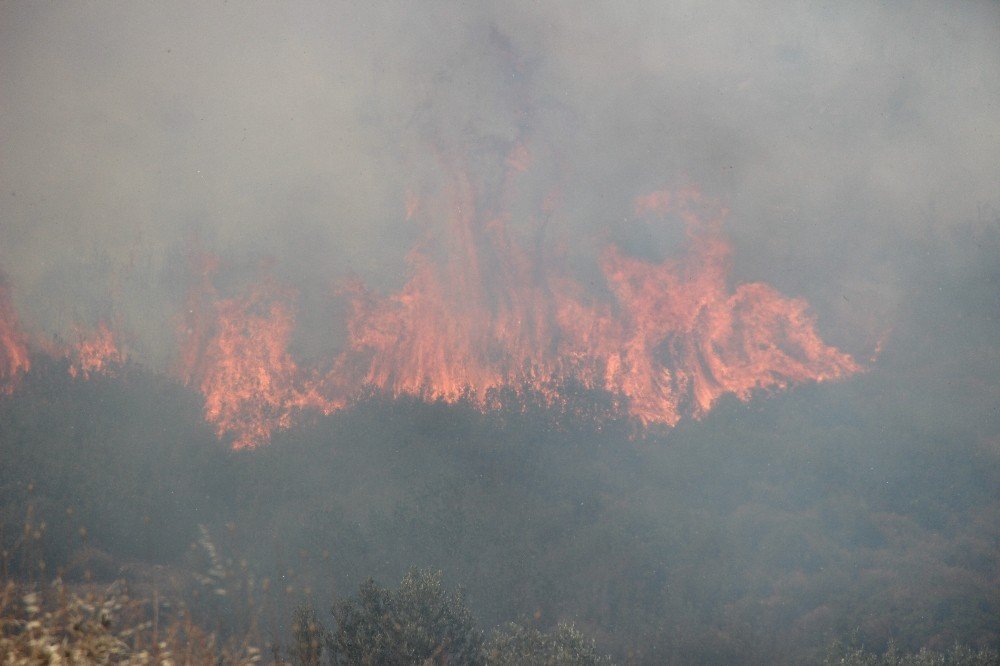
{"x":957,"y":655}
{"x":516,"y":645}
{"x":60,"y":626}
{"x":421,"y":623}
{"x":418,"y":623}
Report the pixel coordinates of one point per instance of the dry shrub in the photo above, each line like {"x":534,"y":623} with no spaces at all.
{"x":87,"y":625}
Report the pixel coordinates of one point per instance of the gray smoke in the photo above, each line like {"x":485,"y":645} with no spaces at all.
{"x":835,"y":132}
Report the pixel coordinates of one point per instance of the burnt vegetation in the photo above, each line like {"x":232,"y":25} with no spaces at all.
{"x":861,"y":515}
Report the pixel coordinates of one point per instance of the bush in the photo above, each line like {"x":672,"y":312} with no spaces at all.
{"x":515,"y":645}
{"x":418,"y":623}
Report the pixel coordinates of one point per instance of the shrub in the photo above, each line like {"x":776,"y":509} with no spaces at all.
{"x":515,"y":645}
{"x":418,"y":623}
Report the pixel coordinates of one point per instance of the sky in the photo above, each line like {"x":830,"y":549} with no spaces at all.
{"x":290,"y":133}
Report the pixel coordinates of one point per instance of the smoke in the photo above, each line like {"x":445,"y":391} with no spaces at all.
{"x":134,"y":135}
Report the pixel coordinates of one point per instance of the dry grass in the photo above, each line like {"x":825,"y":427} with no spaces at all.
{"x":59,"y":625}
{"x":121,"y":622}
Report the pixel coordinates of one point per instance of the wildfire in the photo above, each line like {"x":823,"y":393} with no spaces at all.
{"x":14,"y":360}
{"x":486,"y":318}
{"x":482,"y":319}
{"x":669,"y":344}
{"x":687,"y":341}
{"x":96,"y":353}
{"x":239,"y":361}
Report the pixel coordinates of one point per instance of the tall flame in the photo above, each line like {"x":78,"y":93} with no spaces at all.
{"x":688,"y":340}
{"x":481,"y":318}
{"x":670,"y":343}
{"x":14,"y":360}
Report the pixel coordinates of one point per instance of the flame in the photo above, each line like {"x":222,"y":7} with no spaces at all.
{"x":482,"y":319}
{"x":687,"y":341}
{"x":239,"y":360}
{"x":669,"y":344}
{"x":14,"y":360}
{"x":95,"y":353}
{"x":457,"y":328}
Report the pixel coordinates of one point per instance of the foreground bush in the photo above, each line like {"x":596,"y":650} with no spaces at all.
{"x":420,"y":622}
{"x":416,"y":623}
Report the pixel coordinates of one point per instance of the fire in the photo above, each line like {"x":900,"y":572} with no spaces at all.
{"x":473,"y":318}
{"x":687,"y":340}
{"x":485,"y":320}
{"x":671,"y":341}
{"x":240,"y":363}
{"x":96,"y":353}
{"x":14,"y":361}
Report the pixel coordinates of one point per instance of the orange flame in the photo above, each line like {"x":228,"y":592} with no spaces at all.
{"x":482,"y":319}
{"x":251,"y":384}
{"x":688,"y":341}
{"x":14,"y":360}
{"x":671,"y":343}
{"x":96,"y":353}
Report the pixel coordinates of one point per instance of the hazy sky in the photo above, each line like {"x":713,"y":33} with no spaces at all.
{"x":835,"y":131}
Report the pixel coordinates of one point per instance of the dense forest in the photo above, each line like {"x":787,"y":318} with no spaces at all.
{"x":863,"y":513}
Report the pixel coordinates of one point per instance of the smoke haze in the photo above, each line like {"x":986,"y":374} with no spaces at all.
{"x":279,"y":183}
{"x":131,"y":133}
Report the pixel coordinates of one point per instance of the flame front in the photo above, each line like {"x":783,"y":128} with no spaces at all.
{"x":487,"y":318}
{"x":96,"y":352}
{"x":671,"y":341}
{"x":14,"y":361}
{"x":482,"y":319}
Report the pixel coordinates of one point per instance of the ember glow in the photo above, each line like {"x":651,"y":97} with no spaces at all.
{"x":482,"y":319}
